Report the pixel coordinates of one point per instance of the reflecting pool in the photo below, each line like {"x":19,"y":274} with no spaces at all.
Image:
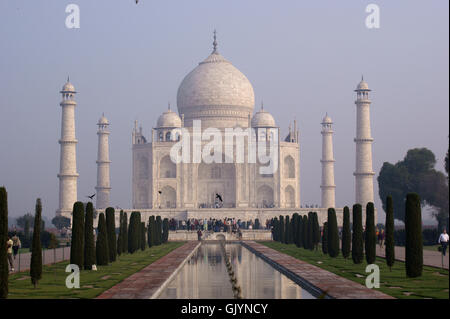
{"x":205,"y":276}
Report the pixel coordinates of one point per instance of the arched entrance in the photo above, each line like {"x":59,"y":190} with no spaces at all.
{"x":216,"y":179}
{"x":264,"y":197}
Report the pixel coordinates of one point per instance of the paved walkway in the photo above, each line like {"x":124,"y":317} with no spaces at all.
{"x":148,"y":282}
{"x":322,"y":280}
{"x":49,"y":256}
{"x":430,"y":257}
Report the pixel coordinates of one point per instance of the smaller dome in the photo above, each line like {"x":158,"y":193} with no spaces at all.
{"x":169,"y":119}
{"x":68,"y":87}
{"x":362,"y":85}
{"x":103,"y":121}
{"x":327,"y":120}
{"x":263,"y":119}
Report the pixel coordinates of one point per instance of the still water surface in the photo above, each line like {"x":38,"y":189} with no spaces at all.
{"x":205,"y":276}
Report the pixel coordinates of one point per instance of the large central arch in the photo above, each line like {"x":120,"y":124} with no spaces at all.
{"x":216,"y":179}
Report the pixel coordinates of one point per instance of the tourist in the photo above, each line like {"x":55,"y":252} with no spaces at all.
{"x":16,"y":245}
{"x":9,"y":245}
{"x":199,"y":235}
{"x":381,"y":238}
{"x":443,"y":240}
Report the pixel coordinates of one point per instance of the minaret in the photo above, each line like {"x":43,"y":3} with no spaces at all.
{"x":328,"y":187}
{"x":103,"y":187}
{"x":363,"y":173}
{"x":68,"y":161}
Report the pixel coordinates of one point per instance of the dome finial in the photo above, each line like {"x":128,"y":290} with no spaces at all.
{"x":215,"y":42}
{"x":169,"y":106}
{"x":262,"y":105}
{"x":68,"y":79}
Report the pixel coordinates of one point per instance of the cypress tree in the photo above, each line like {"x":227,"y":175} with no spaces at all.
{"x":4,"y":268}
{"x":325,"y":238}
{"x":77,"y":246}
{"x":158,"y":230}
{"x":310,"y":231}
{"x":357,"y":240}
{"x":333,"y":234}
{"x":36,"y":251}
{"x":111,"y":228}
{"x":282,"y":229}
{"x":165,"y":234}
{"x":151,"y":226}
{"x":295,"y":228}
{"x":305,"y":231}
{"x":149,"y":233}
{"x":316,"y":231}
{"x":287,"y":230}
{"x":134,"y":231}
{"x":142,"y":237}
{"x":371,"y":237}
{"x":299,"y":231}
{"x":89,"y":244}
{"x":413,"y":238}
{"x":275,"y":229}
{"x":119,"y":237}
{"x":346,"y":235}
{"x":102,"y":249}
{"x":389,"y":242}
{"x":125,"y":234}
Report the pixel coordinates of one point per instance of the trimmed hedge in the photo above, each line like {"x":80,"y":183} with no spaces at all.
{"x":389,"y":233}
{"x":413,"y":229}
{"x":346,"y":233}
{"x":77,"y":246}
{"x":357,"y":236}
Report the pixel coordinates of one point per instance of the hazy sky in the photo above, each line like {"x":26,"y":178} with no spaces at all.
{"x":304,"y":58}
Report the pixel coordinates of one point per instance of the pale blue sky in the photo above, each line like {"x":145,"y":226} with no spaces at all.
{"x":304,"y":58}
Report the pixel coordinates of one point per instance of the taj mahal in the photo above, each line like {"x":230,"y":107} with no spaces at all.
{"x":212,"y":100}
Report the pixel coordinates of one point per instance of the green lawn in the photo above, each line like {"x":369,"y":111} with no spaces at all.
{"x":433,"y":283}
{"x":92,"y":283}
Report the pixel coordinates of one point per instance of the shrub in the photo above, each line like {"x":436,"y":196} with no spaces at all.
{"x":111,"y":229}
{"x":101,"y":249}
{"x":371,"y":239}
{"x":357,"y":236}
{"x":413,"y":229}
{"x":346,"y":235}
{"x":36,"y":252}
{"x":77,"y":246}
{"x":333,"y":234}
{"x":89,"y":244}
{"x":4,"y":268}
{"x":389,"y":233}
{"x":325,"y":238}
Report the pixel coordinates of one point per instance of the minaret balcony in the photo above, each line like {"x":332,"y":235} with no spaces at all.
{"x":363,"y":140}
{"x":364,"y":173}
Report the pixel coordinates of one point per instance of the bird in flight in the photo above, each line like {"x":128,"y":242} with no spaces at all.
{"x":219,"y":197}
{"x":137,"y":1}
{"x":91,"y":197}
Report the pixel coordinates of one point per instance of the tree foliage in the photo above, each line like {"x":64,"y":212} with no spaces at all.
{"x":370,"y":241}
{"x":325,"y":238}
{"x":415,"y":173}
{"x":357,"y":236}
{"x":346,"y":233}
{"x":60,"y":222}
{"x":333,"y":234}
{"x":102,"y":250}
{"x":111,"y":228}
{"x":89,"y":244}
{"x":36,"y":252}
{"x":414,"y":242}
{"x":389,"y":233}
{"x":4,"y":270}
{"x":77,"y":246}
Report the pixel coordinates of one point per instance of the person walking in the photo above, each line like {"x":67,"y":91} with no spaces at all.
{"x":199,"y":235}
{"x":381,"y":236}
{"x":16,"y":244}
{"x":443,"y":240}
{"x":9,"y":250}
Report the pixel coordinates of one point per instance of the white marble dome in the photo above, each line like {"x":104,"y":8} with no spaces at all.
{"x":215,"y":90}
{"x":169,"y":119}
{"x":68,"y":87}
{"x":263,"y":118}
{"x":362,"y":85}
{"x":327,"y":120}
{"x":103,"y":121}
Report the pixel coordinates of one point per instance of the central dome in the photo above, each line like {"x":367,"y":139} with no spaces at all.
{"x":216,"y":92}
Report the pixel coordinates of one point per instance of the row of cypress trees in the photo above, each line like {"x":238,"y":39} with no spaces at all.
{"x":304,"y":231}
